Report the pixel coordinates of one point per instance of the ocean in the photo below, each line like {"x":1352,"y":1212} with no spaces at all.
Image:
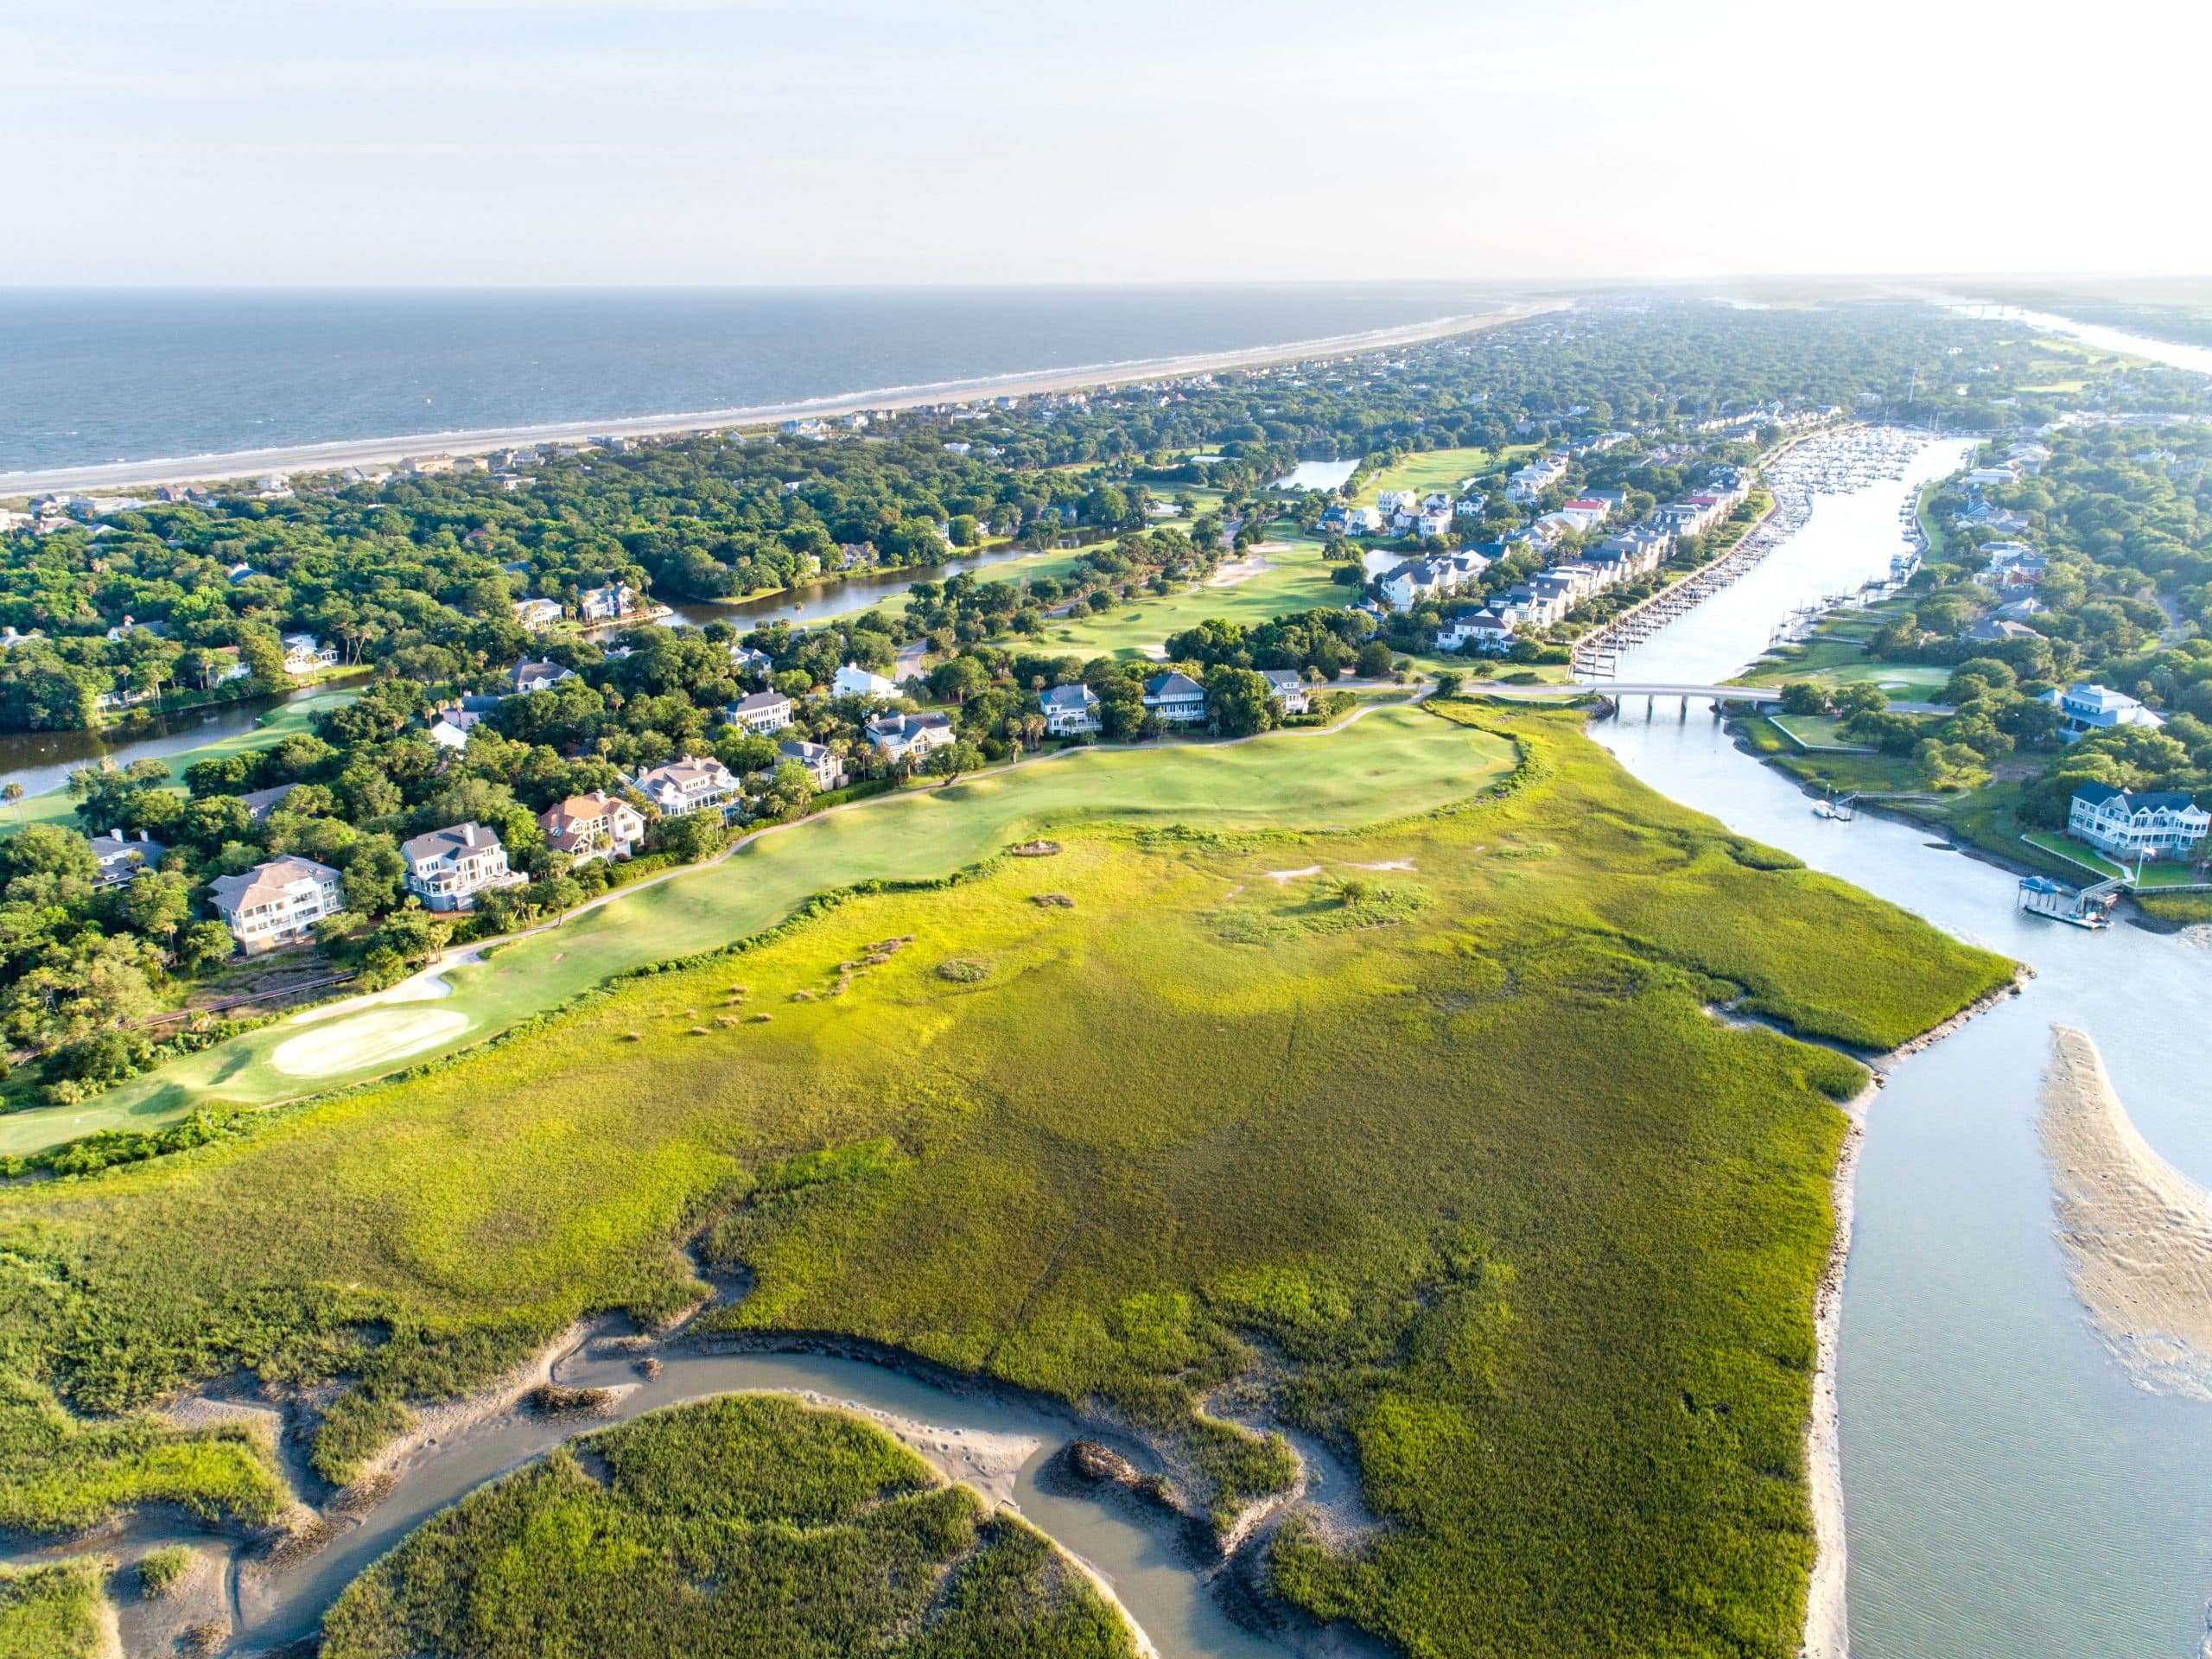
{"x":129,"y":375}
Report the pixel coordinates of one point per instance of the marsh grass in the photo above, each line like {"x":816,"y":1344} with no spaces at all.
{"x":1489,"y":1183}
{"x":734,"y":1527}
{"x":51,"y":1612}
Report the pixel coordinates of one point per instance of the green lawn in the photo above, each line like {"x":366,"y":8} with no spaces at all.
{"x":1817,"y":732}
{"x":56,"y":805}
{"x":1388,"y":761}
{"x":740,"y":1527}
{"x":1433,"y":1105}
{"x":1441,"y":469}
{"x":1297,"y":579}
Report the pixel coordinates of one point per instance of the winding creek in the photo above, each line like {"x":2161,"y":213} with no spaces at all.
{"x":2009,"y":1494}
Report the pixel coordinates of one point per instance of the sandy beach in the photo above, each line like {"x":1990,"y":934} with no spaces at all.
{"x":2136,"y":1232}
{"x":383,"y":451}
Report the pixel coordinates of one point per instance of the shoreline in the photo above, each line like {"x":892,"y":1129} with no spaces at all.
{"x":331,"y":454}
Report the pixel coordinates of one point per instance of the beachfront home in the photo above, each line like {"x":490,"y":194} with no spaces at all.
{"x":1287,"y":687}
{"x":121,"y":858}
{"x":277,"y":903}
{"x":761,"y":713}
{"x":1177,"y":698}
{"x":304,"y":654}
{"x":446,"y":868}
{"x":1069,"y":711}
{"x":692,"y":785}
{"x":822,"y":764}
{"x":910,"y":737}
{"x":597,"y":826}
{"x":2084,"y":708}
{"x":608,"y":604}
{"x":2126,"y":825}
{"x":854,"y":681}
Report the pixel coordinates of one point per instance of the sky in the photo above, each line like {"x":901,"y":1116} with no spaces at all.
{"x":709,"y":142}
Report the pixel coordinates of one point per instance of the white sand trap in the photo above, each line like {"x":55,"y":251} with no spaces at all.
{"x":2137,"y":1232}
{"x":372,"y":1039}
{"x":1237,"y":570}
{"x":424,"y":985}
{"x":1387,"y":864}
{"x":1278,"y":877}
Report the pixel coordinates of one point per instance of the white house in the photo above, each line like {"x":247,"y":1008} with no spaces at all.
{"x":692,"y":785}
{"x":1484,"y":631}
{"x":607,"y":604}
{"x":2123,"y":825}
{"x":1177,"y":698}
{"x":1069,"y":711}
{"x":761,"y":713}
{"x":1527,"y":483}
{"x":910,"y":737}
{"x":538,"y":676}
{"x":854,"y":681}
{"x":121,"y":858}
{"x":823,"y":763}
{"x":1428,"y":522}
{"x":1396,"y":501}
{"x":304,"y":654}
{"x":277,"y":903}
{"x":446,"y":868}
{"x":1287,"y":687}
{"x":537,"y":614}
{"x":451,"y":728}
{"x":597,"y":826}
{"x":746,"y":660}
{"x":2084,"y":708}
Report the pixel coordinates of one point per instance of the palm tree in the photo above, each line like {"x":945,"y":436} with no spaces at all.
{"x":12,"y":793}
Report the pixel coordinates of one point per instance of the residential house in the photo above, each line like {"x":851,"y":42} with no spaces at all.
{"x":121,"y":858}
{"x":304,"y":654}
{"x":1527,"y":483}
{"x":910,"y":737}
{"x":608,"y":604}
{"x":2021,"y":609}
{"x":1469,"y":505}
{"x":260,"y":803}
{"x":539,"y":677}
{"x":2154,"y":824}
{"x":277,"y":903}
{"x":1428,"y":522}
{"x":1993,"y":630}
{"x":823,"y":763}
{"x":747,"y":661}
{"x":1486,"y":631}
{"x":597,"y":826}
{"x":1287,"y":687}
{"x":1391,"y":502}
{"x":537,"y":614}
{"x":1177,"y":698}
{"x":451,"y":728}
{"x":695,"y":784}
{"x":1070,"y":710}
{"x":854,"y":681}
{"x":2084,"y":708}
{"x":761,"y":713}
{"x":446,"y":868}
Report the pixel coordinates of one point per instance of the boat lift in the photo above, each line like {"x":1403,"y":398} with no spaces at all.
{"x":2091,"y":907}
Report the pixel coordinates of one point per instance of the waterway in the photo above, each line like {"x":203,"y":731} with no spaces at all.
{"x":2009,"y":1494}
{"x":814,"y":602}
{"x":1316,"y":475}
{"x":2173,"y":354}
{"x":43,"y":760}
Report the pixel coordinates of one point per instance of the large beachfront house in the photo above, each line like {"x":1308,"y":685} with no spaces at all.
{"x":608,"y":604}
{"x":1177,"y":698}
{"x":597,"y":826}
{"x":305,"y":655}
{"x":2126,"y":825}
{"x":910,"y":737}
{"x":692,"y":785}
{"x":277,"y":903}
{"x":446,"y":868}
{"x":1070,"y":710}
{"x":761,"y":713}
{"x":2084,"y":708}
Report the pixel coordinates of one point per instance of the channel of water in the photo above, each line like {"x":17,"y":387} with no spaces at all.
{"x":2011,"y":1495}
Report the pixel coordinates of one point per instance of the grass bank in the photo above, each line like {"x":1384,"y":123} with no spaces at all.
{"x":736,"y":1526}
{"x":1423,"y":1125}
{"x":1390,"y":760}
{"x":54,"y":1612}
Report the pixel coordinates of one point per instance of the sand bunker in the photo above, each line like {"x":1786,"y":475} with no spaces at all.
{"x":371,"y":1039}
{"x":1278,"y":877}
{"x":1230,"y":575}
{"x":2137,"y":1233}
